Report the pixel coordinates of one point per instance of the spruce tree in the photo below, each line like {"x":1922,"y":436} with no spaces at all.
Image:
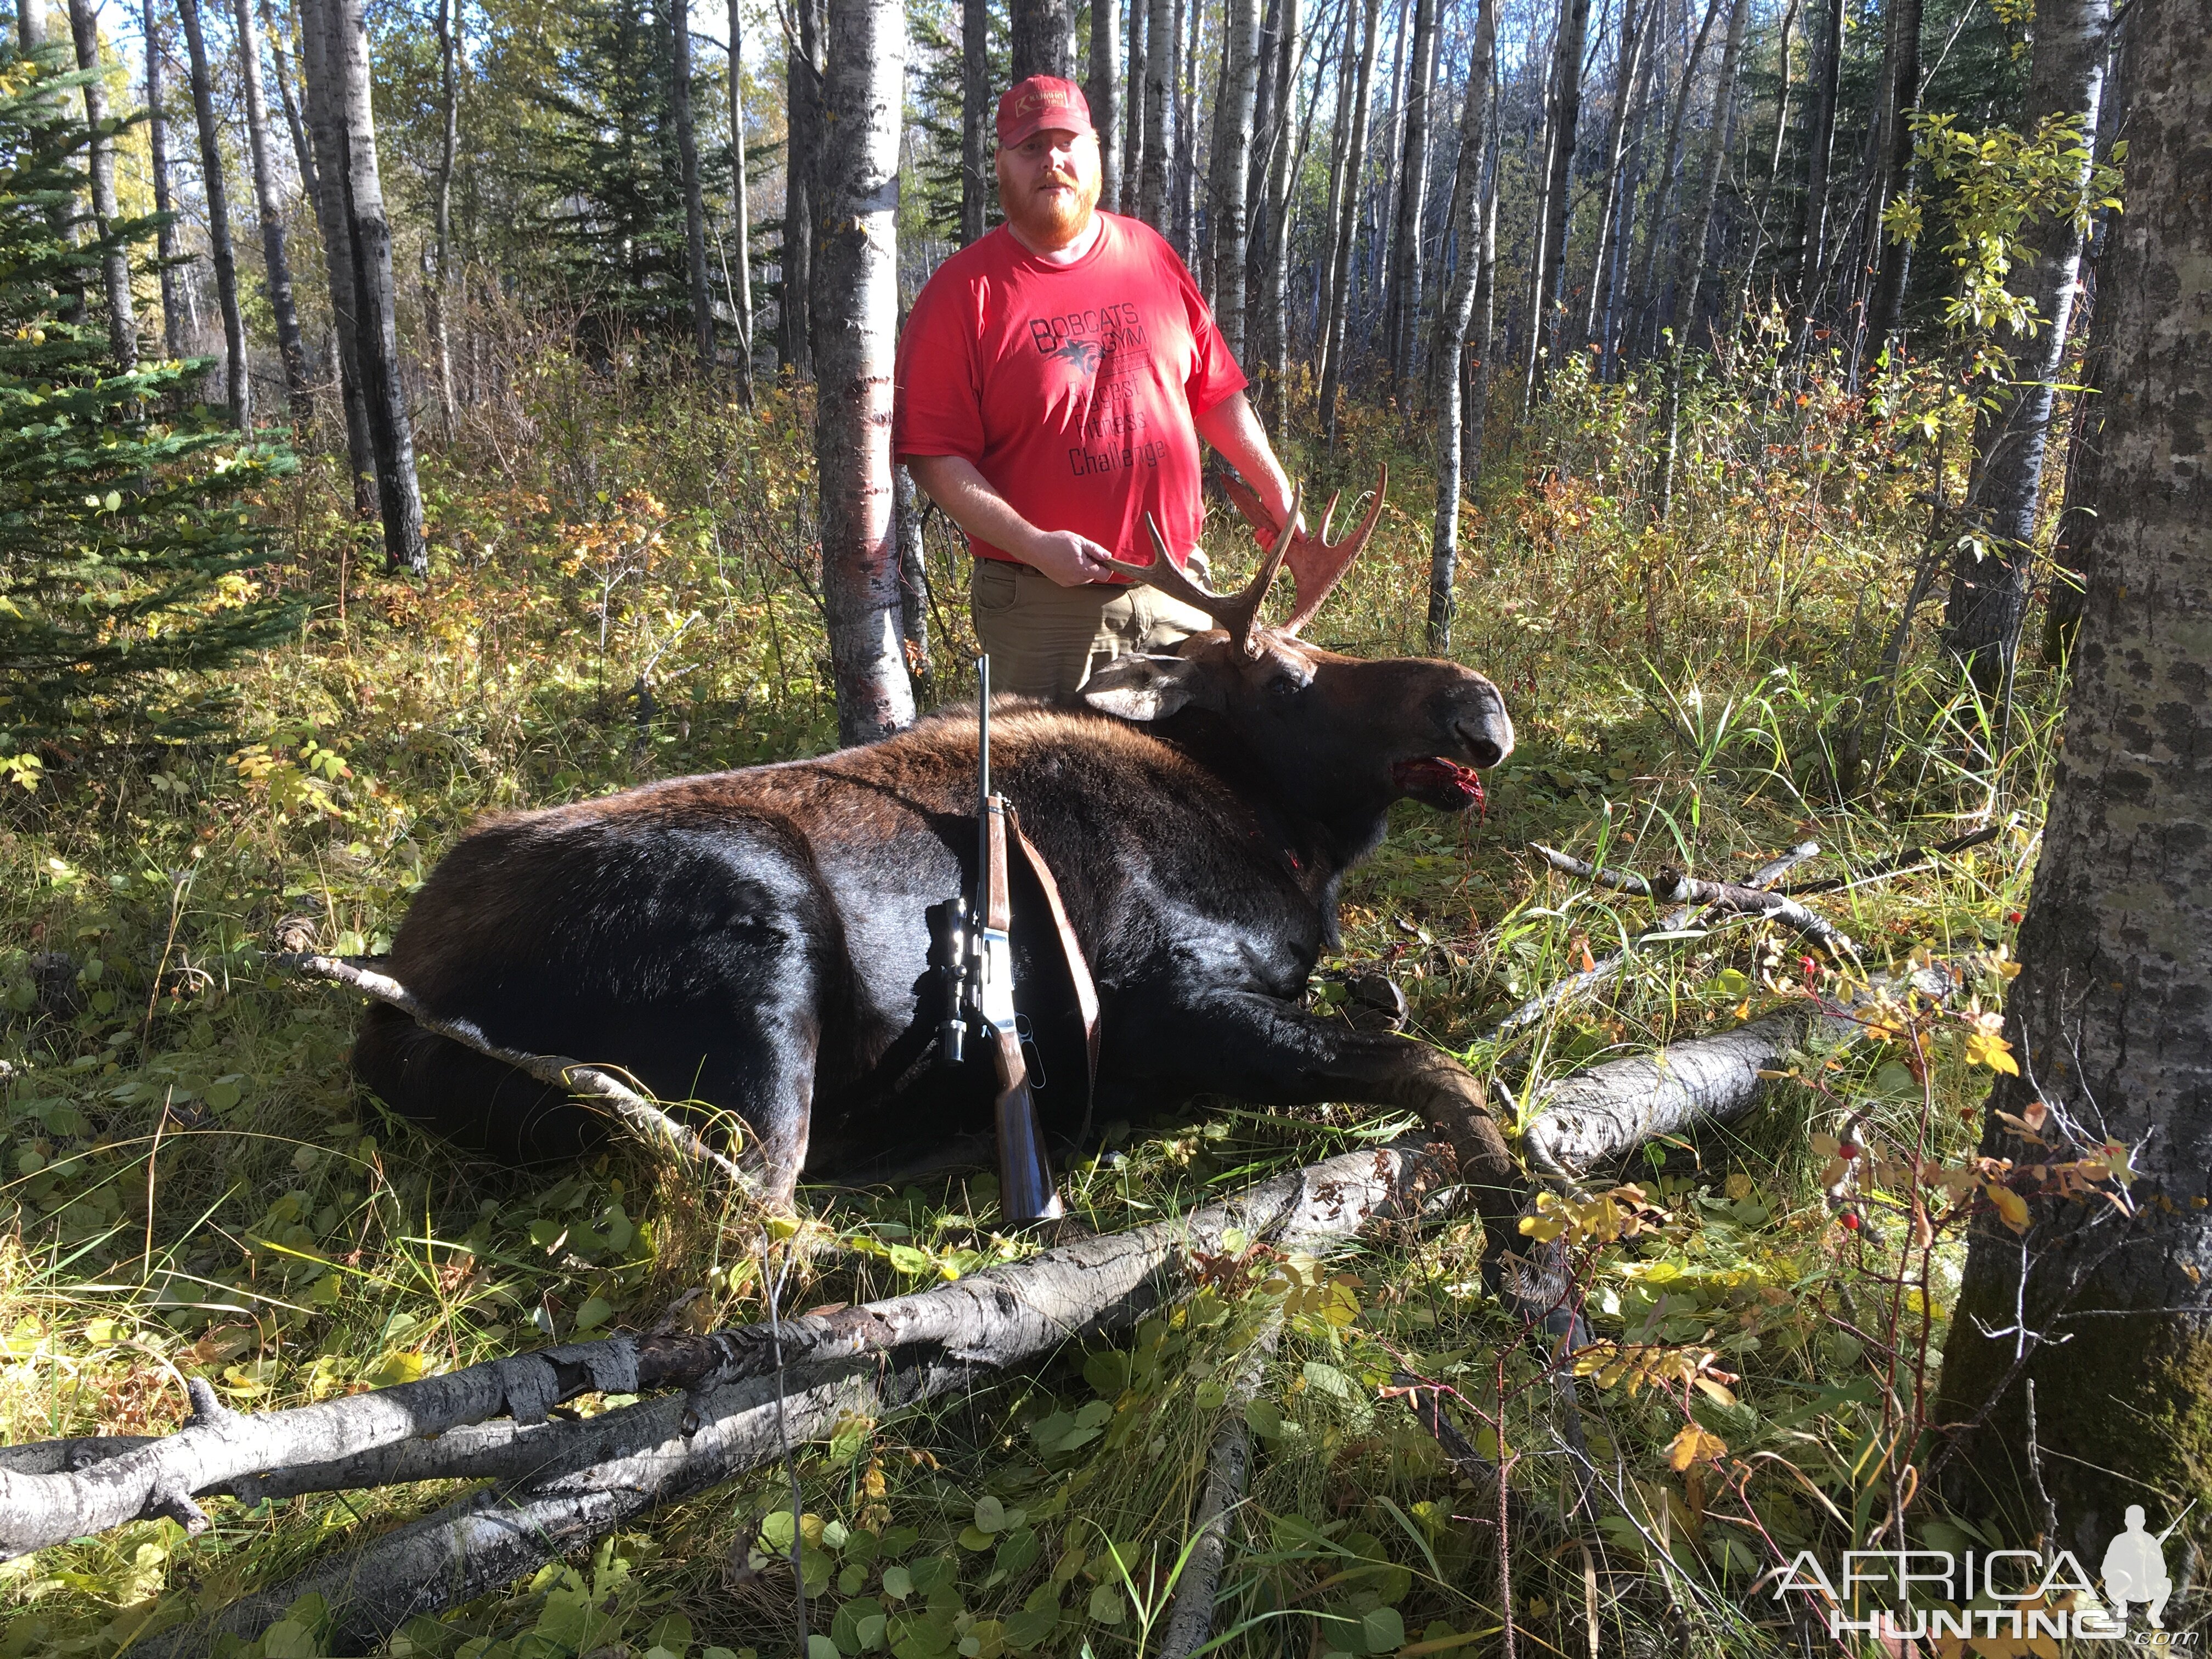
{"x":128,"y":538}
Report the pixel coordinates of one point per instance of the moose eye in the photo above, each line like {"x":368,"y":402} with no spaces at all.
{"x":1282,"y":687}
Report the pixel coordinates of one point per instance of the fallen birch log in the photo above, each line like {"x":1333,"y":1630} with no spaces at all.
{"x":1228,"y":1468}
{"x":1597,"y":1115}
{"x":588,"y":1477}
{"x":644,"y":1118}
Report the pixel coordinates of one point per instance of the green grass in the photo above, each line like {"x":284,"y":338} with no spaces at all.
{"x":198,"y":1186}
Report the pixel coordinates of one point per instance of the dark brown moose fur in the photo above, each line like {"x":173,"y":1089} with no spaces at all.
{"x":757,"y":940}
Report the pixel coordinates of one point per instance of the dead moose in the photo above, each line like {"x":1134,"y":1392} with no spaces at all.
{"x":758,"y":940}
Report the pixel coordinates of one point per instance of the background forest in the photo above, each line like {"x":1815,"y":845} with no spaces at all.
{"x":412,"y":411}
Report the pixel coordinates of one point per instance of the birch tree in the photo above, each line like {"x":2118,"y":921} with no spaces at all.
{"x":115,"y":263}
{"x":1401,"y":309}
{"x":238,"y":384}
{"x":1452,"y":325}
{"x":802,"y":86}
{"x":677,"y":21}
{"x":157,"y":148}
{"x":1559,"y":128}
{"x":1888,"y":311}
{"x":853,"y":359}
{"x":1159,"y":89}
{"x":741,"y":202}
{"x":376,"y":320}
{"x":1988,"y":598}
{"x":1130,"y":170}
{"x":1098,"y":91}
{"x":1347,"y":222}
{"x":1819,"y":140}
{"x":1232,"y":170}
{"x":326,"y":136}
{"x":269,"y":201}
{"x":438,"y":292}
{"x":2110,"y":1018}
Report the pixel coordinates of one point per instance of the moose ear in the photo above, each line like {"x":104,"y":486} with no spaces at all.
{"x":1144,"y":687}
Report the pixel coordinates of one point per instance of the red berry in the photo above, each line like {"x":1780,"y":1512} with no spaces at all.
{"x":1848,"y":1151}
{"x":1849,"y":1220}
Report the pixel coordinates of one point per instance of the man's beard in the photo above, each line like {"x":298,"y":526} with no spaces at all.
{"x":1053,"y":220}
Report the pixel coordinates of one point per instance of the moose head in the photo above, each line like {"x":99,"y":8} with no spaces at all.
{"x":1341,"y":734}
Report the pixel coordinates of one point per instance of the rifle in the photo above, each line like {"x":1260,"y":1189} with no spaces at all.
{"x":977,"y":970}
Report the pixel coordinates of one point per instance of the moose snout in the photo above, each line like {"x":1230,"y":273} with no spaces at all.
{"x":1483,"y":727}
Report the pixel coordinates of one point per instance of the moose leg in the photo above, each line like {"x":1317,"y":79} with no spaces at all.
{"x":1258,"y":1048}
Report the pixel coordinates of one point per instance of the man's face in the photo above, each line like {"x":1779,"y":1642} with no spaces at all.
{"x":1048,"y":185}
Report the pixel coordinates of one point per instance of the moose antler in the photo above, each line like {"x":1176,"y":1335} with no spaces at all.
{"x":1317,"y":563}
{"x":1236,"y":612}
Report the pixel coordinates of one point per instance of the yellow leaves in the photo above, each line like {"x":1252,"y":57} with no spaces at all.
{"x":1988,"y":1048}
{"x":1620,"y":1214}
{"x":1638,"y":1366}
{"x":2011,"y":1207}
{"x":1694,"y":1445}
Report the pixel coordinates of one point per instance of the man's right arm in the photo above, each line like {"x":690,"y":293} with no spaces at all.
{"x":966,"y":496}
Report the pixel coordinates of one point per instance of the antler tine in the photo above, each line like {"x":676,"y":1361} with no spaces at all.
{"x":1235,"y":612}
{"x":1317,"y":564}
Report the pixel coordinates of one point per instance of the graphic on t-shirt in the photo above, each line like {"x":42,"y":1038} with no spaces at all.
{"x":1083,"y":353}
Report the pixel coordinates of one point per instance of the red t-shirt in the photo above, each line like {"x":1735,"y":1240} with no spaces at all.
{"x":1069,"y":387}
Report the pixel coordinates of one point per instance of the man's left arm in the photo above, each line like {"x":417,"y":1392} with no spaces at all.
{"x":1238,"y":437}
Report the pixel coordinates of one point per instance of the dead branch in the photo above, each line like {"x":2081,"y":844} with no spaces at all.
{"x":651,"y":1125}
{"x":1909,"y":862}
{"x":1674,"y":921}
{"x":1228,"y":1466}
{"x":1675,"y":887}
{"x":563,"y":1483}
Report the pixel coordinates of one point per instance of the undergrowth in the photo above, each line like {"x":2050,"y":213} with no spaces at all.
{"x":623,"y":590}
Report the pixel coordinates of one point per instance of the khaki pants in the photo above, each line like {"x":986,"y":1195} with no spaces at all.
{"x":1045,"y":640}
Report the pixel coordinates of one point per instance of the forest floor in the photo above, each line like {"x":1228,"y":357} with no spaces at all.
{"x":195,"y":1185}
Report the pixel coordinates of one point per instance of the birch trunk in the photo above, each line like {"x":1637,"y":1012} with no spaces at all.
{"x":441,"y":291}
{"x":741,"y":203}
{"x":1698,"y":226}
{"x":1559,"y":198}
{"x":391,"y":429}
{"x":2112,"y":1015}
{"x":1452,"y":325}
{"x":1401,"y":305}
{"x":1647,"y":295}
{"x":290,"y":348}
{"x":279,"y":61}
{"x":1889,"y":309}
{"x":1105,"y":26}
{"x":1347,"y":223}
{"x":1183,"y":187}
{"x":1631,"y":75}
{"x":1284,"y":163}
{"x":1129,"y":176}
{"x":115,"y":261}
{"x":1326,"y":297}
{"x":1988,"y":598}
{"x":1820,"y":141}
{"x":802,"y":82}
{"x":1232,"y":170}
{"x":238,"y":382}
{"x":859,"y":308}
{"x":325,"y":132}
{"x":157,"y":145}
{"x":678,"y":23}
{"x":1159,"y":46}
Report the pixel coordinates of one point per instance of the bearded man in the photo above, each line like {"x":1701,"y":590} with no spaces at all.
{"x":1054,"y":379}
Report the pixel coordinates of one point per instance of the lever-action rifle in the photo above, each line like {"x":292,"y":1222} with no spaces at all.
{"x":977,"y":970}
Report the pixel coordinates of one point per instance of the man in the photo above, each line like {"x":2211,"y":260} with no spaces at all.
{"x":1054,"y":379}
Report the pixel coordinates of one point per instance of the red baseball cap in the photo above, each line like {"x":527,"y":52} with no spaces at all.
{"x":1041,"y":102}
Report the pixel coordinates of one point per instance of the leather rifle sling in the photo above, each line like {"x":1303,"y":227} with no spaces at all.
{"x":1079,"y":971}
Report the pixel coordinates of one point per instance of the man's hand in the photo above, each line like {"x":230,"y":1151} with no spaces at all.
{"x":1069,"y":559}
{"x":953,"y":482}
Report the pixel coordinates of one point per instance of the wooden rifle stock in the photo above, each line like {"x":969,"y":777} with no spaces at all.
{"x":1025,"y":1183}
